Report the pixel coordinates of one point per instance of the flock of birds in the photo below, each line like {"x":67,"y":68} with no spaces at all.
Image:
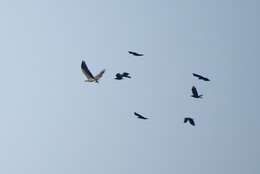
{"x":119,"y":76}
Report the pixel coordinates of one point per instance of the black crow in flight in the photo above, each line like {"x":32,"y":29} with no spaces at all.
{"x":200,"y":77}
{"x":135,"y":53}
{"x":89,"y":75}
{"x":195,"y":93}
{"x":190,"y":120}
{"x":121,"y":76}
{"x":140,"y":116}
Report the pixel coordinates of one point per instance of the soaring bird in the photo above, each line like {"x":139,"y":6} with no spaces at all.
{"x":190,"y":120}
{"x":140,"y":116}
{"x":195,"y":93}
{"x":121,"y":76}
{"x":135,"y":53}
{"x":88,"y":74}
{"x":200,"y":77}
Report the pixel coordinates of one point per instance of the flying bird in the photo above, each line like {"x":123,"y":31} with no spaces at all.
{"x":89,"y":75}
{"x":140,"y":116}
{"x":135,"y":53}
{"x":190,"y":120}
{"x":200,"y":77}
{"x":121,"y":76}
{"x":195,"y":93}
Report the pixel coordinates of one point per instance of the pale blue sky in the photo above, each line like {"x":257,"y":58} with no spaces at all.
{"x":52,"y":122}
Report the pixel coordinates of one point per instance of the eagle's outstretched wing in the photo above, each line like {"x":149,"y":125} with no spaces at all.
{"x":99,"y":75}
{"x":86,"y":71}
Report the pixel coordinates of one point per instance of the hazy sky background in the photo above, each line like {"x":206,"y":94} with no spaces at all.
{"x":52,"y":122}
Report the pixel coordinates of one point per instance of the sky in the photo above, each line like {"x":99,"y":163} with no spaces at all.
{"x":52,"y":122}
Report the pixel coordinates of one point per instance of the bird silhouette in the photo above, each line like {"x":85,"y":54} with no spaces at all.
{"x":190,"y":120}
{"x":121,"y":76}
{"x":89,"y":75}
{"x":140,"y":116}
{"x":195,"y":93}
{"x":135,"y":53}
{"x":200,"y":77}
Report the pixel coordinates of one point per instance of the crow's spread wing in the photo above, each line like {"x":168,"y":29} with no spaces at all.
{"x":200,"y":77}
{"x":192,"y":122}
{"x":125,"y":74}
{"x":140,"y":116}
{"x":135,"y":53}
{"x":196,"y":75}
